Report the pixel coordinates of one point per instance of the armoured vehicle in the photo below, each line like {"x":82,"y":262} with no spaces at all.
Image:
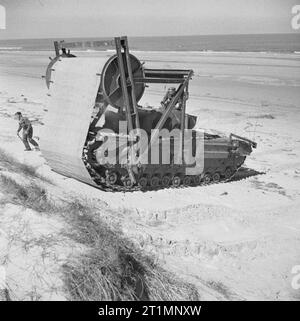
{"x":97,"y":132}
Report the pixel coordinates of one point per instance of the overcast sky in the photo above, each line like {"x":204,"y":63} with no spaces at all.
{"x":102,"y":18}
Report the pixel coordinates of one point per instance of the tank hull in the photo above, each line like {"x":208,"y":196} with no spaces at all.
{"x":221,"y":160}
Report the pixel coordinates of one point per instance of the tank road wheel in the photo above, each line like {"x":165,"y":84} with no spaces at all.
{"x":111,"y":178}
{"x":143,"y":181}
{"x":206,"y":178}
{"x":165,"y":181}
{"x":176,"y":181}
{"x":216,"y":177}
{"x":187,"y":181}
{"x":154,"y":182}
{"x":228,"y":172}
{"x":127,"y":182}
{"x":197,"y":180}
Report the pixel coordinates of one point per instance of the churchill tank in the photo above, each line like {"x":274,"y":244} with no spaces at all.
{"x":96,"y":130}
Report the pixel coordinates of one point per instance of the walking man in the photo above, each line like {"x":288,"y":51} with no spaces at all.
{"x":25,"y":124}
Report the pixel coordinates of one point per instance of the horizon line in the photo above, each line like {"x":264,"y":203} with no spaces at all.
{"x":161,"y":36}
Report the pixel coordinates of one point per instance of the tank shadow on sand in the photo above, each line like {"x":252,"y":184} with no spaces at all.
{"x":245,"y":172}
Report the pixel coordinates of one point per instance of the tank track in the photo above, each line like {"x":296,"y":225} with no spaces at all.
{"x":238,"y":173}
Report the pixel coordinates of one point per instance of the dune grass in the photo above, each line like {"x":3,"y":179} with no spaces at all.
{"x":10,"y":163}
{"x":30,"y":196}
{"x":113,"y":268}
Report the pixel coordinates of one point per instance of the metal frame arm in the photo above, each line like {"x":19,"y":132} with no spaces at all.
{"x":173,"y":102}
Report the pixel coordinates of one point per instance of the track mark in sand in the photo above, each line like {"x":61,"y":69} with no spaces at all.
{"x":35,"y":117}
{"x":263,"y":116}
{"x":222,"y":289}
{"x":216,"y":288}
{"x":10,"y":104}
{"x":195,"y":213}
{"x":206,"y":250}
{"x":270,"y":187}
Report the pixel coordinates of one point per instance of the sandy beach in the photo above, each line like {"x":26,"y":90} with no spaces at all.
{"x":236,"y":240}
